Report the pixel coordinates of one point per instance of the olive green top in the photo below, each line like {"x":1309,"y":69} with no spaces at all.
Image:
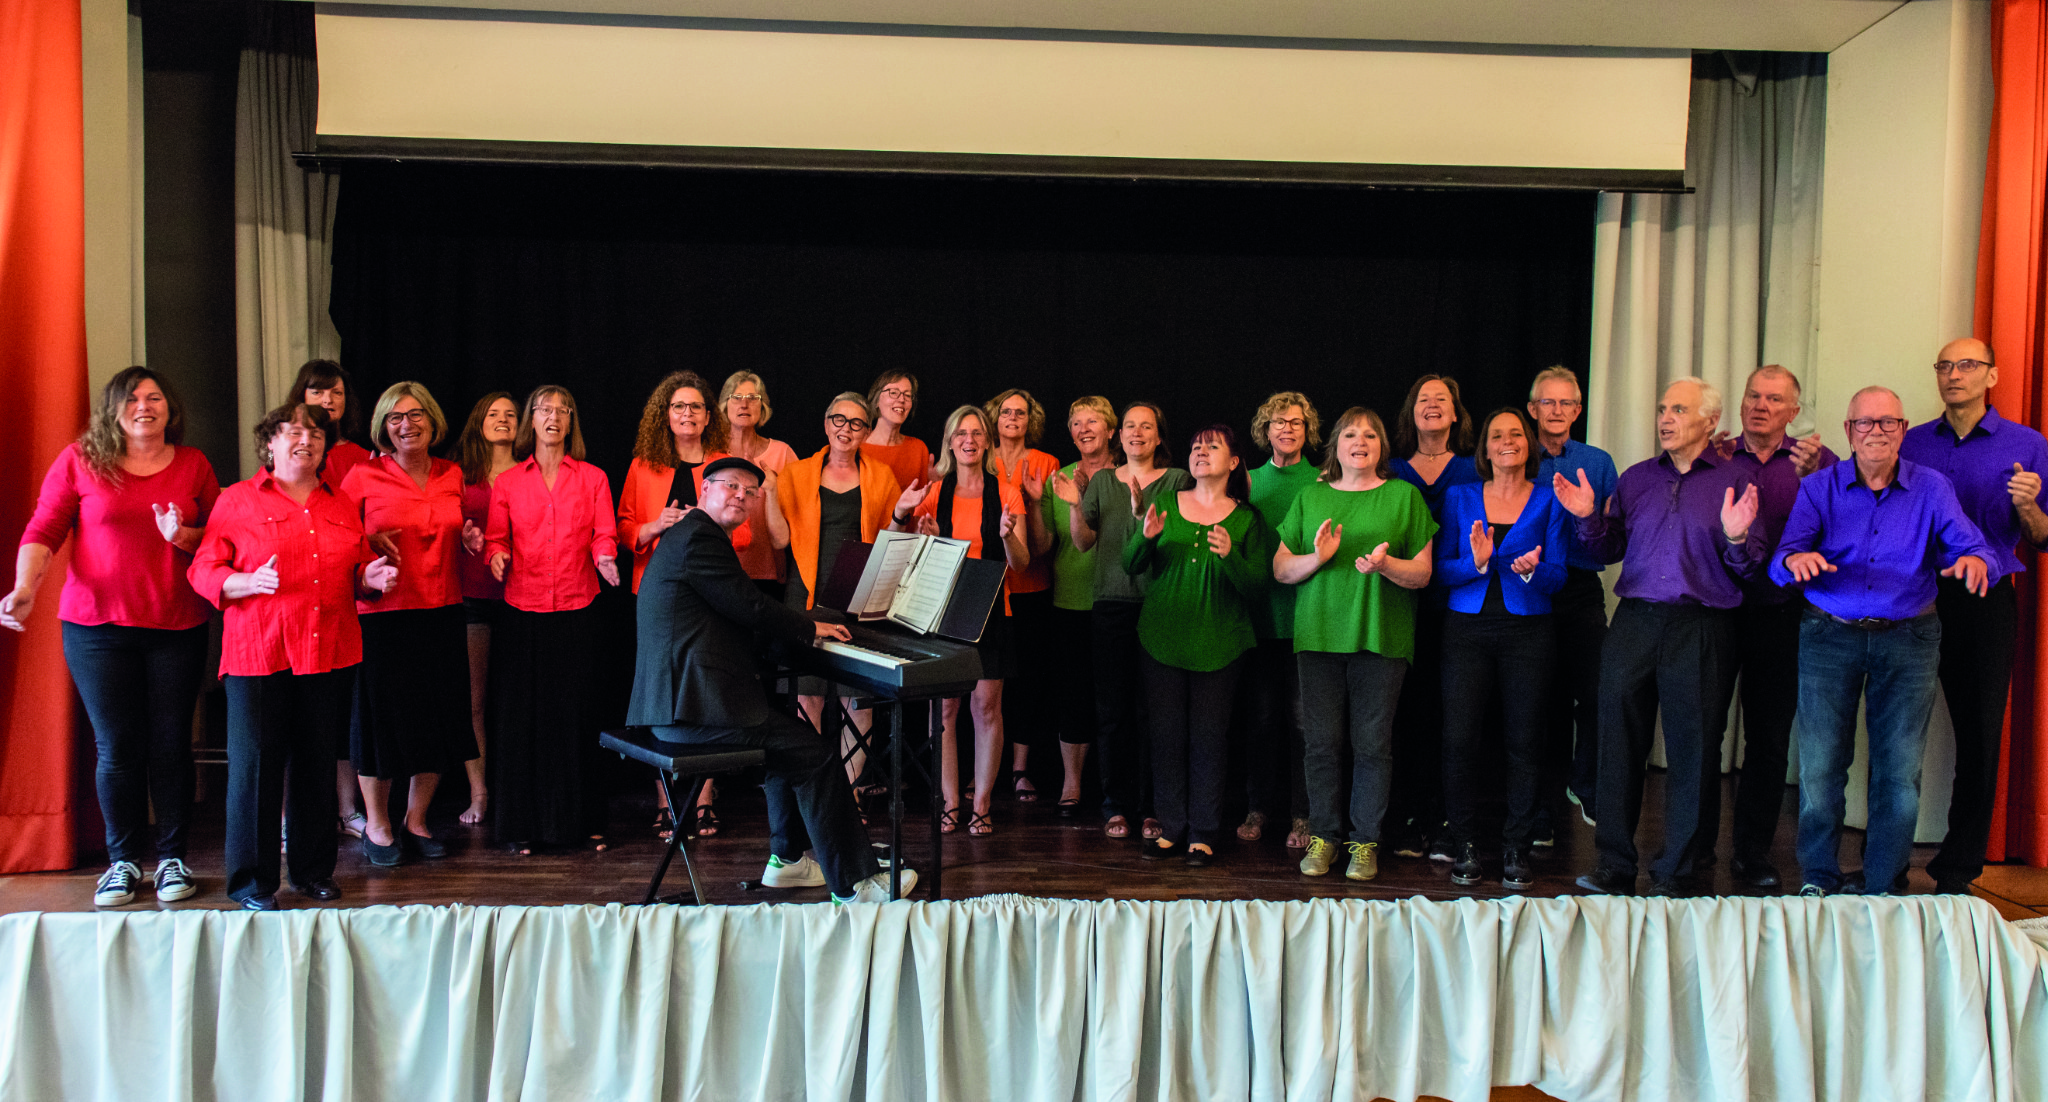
{"x":1273,"y":492}
{"x":1106,"y":505}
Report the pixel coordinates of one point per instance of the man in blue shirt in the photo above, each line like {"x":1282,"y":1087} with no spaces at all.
{"x":1867,"y":539}
{"x":1995,"y":466}
{"x":1578,"y":612}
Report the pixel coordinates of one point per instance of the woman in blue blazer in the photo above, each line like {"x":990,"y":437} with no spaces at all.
{"x":1500,"y":555}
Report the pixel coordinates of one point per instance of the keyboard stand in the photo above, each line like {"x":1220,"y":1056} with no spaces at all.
{"x":840,"y":721}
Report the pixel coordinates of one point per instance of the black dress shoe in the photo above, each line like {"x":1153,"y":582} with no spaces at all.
{"x":260,"y":903}
{"x":1606,"y":881}
{"x":1466,"y":869}
{"x":1754,"y":872}
{"x":1952,"y":887}
{"x":322,"y":890}
{"x":384,"y":857}
{"x":426,"y":845}
{"x":1199,"y":858}
{"x":1665,"y":886}
{"x":1515,"y":873}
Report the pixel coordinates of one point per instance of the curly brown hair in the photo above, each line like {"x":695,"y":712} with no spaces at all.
{"x":1034,"y":414}
{"x":654,"y":443}
{"x":103,"y":443}
{"x":1272,"y":408}
{"x":291,"y":413}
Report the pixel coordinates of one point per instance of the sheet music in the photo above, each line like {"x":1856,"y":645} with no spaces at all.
{"x":922,"y":594}
{"x":893,"y":554}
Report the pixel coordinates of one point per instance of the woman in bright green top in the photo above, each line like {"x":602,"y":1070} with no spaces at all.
{"x":1089,"y":422}
{"x":1207,"y":553}
{"x":1358,"y":546}
{"x":1107,"y":511}
{"x":1286,"y":425}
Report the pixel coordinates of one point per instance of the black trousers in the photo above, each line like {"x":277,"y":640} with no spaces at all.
{"x":1766,"y":654}
{"x":1267,"y":747}
{"x":1073,"y":689}
{"x":1571,"y":756}
{"x":281,"y":733}
{"x":1672,"y":661}
{"x":1418,"y":784}
{"x":1029,"y":718}
{"x":1123,"y":750}
{"x":1484,"y":653}
{"x":1978,"y":638}
{"x":139,"y":685}
{"x":800,"y":756}
{"x":1190,"y":716}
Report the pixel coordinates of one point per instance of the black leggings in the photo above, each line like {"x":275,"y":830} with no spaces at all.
{"x":139,"y":686}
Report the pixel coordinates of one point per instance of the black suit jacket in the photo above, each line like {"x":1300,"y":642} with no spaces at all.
{"x":699,"y":616}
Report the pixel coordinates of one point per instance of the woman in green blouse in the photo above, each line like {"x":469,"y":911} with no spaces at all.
{"x":1358,"y":546}
{"x":1206,"y":552}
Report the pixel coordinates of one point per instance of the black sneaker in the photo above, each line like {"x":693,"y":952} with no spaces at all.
{"x":116,"y":887}
{"x":1812,"y":891}
{"x":1754,"y":872}
{"x":1665,"y":886}
{"x":1410,"y":842}
{"x":1466,"y":870}
{"x":173,"y":880}
{"x":1952,"y":887}
{"x":1515,"y":873}
{"x":1441,"y":847}
{"x":1606,"y":881}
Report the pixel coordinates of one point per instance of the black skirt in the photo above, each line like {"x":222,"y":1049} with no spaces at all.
{"x":543,"y":741}
{"x":412,"y":694}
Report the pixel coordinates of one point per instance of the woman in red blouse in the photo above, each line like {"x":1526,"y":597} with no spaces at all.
{"x":134,"y":632}
{"x":485,"y":451}
{"x":966,"y":482}
{"x":285,"y":559}
{"x":411,"y":719}
{"x":550,"y":539}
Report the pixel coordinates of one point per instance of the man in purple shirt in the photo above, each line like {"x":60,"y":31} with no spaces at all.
{"x":1683,"y":526}
{"x":1995,"y":466}
{"x":1867,"y":539}
{"x":1766,"y":628}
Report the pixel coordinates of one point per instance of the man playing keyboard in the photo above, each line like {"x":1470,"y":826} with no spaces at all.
{"x":695,"y":681}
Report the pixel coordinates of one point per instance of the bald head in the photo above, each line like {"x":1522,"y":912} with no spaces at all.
{"x":1964,"y":372}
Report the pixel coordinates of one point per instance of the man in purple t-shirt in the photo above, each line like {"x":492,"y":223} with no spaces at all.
{"x":1995,"y":466}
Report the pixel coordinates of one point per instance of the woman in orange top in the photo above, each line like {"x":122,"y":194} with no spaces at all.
{"x":485,"y":451}
{"x":680,"y":431}
{"x":744,"y":401}
{"x":1027,"y":708}
{"x":958,"y":509}
{"x":889,"y":403}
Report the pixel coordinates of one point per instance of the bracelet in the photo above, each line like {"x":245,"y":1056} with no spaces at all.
{"x":899,"y":520}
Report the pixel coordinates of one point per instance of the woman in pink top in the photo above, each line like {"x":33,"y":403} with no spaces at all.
{"x":411,"y":718}
{"x":744,"y":400}
{"x":485,"y":451}
{"x":550,"y":539}
{"x":134,"y":631}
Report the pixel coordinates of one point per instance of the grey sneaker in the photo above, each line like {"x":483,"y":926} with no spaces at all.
{"x":1365,"y":860}
{"x":800,"y":873}
{"x":174,"y":881}
{"x":1316,"y":862}
{"x":875,"y":889}
{"x":117,"y":885}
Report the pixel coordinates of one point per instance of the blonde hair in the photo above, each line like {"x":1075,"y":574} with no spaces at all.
{"x":1274,"y":406}
{"x":732,"y":383}
{"x":953,"y":421}
{"x":1034,"y":414}
{"x":1560,"y":372}
{"x":1098,"y":404}
{"x":379,"y":433}
{"x":523,"y":444}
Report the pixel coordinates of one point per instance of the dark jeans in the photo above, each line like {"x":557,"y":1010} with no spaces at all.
{"x":1268,"y":750}
{"x":1484,"y":653}
{"x":1190,"y":714}
{"x":1073,"y":689}
{"x":1978,"y":636}
{"x":1669,"y":660}
{"x":1418,"y":778}
{"x":810,"y":764}
{"x":1347,"y":704}
{"x":139,"y":686}
{"x":1766,"y":654}
{"x":1838,"y":665}
{"x":1123,"y":751}
{"x":281,"y":733}
{"x":1578,"y":618}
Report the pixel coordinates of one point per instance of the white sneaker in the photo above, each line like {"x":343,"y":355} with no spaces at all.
{"x":875,"y":889}
{"x":800,"y":873}
{"x":117,"y":885}
{"x":173,"y":880}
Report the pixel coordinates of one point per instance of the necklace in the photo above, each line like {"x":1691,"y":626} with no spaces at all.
{"x":1432,"y":455}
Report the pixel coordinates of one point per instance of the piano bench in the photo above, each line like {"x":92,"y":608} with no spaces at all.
{"x":675,"y":762}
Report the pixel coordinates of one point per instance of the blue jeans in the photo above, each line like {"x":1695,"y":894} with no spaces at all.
{"x":1838,"y":664}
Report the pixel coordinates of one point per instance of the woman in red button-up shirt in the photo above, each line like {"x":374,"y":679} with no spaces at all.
{"x":284,"y":557}
{"x":411,"y":715}
{"x":550,"y":539}
{"x":485,"y":452}
{"x":134,"y":632}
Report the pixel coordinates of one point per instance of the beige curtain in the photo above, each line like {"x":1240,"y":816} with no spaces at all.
{"x":284,"y":215}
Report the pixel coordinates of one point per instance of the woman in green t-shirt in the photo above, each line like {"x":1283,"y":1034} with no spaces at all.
{"x":1358,"y":545}
{"x":1287,"y":425}
{"x":1207,"y":554}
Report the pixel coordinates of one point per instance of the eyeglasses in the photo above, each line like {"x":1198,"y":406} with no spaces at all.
{"x":747,"y":399}
{"x":686,"y":407}
{"x":842,"y":421}
{"x":896,"y":392}
{"x":1287,"y":423}
{"x":551,"y":412}
{"x":411,"y":416}
{"x":1006,"y":413}
{"x":744,"y":492}
{"x":1887,"y":424}
{"x":1960,"y":367}
{"x":1559,"y":404}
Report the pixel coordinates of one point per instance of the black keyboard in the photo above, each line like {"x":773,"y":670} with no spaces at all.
{"x":899,"y":665}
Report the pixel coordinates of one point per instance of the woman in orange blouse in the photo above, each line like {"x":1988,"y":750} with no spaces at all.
{"x":744,"y":401}
{"x":1027,"y":706}
{"x":958,"y":508}
{"x":889,"y":402}
{"x":680,"y":431}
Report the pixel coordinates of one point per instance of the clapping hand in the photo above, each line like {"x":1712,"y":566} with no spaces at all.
{"x":927,"y":526}
{"x":1006,"y":525}
{"x":912,"y":497}
{"x":1328,"y":536}
{"x":608,"y":569}
{"x":1808,"y":565}
{"x":1482,"y":546}
{"x":1976,"y":576}
{"x":1219,"y":540}
{"x":261,"y":580}
{"x":472,"y":537}
{"x":167,"y":520}
{"x":1155,"y":522}
{"x":1064,"y":487}
{"x":1527,"y":564}
{"x":1578,"y":497}
{"x":1373,"y":562}
{"x":1034,"y":492}
{"x":1806,"y":455}
{"x":1738,"y":514}
{"x":1723,"y":442}
{"x":381,"y":575}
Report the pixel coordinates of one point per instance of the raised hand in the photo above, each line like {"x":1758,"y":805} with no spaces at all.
{"x":1723,"y":443}
{"x":472,"y":537}
{"x":499,"y":562}
{"x":1808,"y":565}
{"x":927,"y":526}
{"x":2024,"y":486}
{"x":1219,"y":540}
{"x":767,"y":483}
{"x":1034,"y":492}
{"x":15,"y":608}
{"x":1006,"y":525}
{"x":1976,"y":576}
{"x":1738,"y":514}
{"x":1137,"y":495}
{"x":1328,"y":537}
{"x":1373,"y":562}
{"x":1155,"y":521}
{"x":168,"y":522}
{"x":912,"y":497}
{"x":1527,"y":564}
{"x":1064,"y":487}
{"x":1806,"y":455}
{"x":1481,"y":538}
{"x":380,"y":575}
{"x":1578,"y":497}
{"x":608,"y":569}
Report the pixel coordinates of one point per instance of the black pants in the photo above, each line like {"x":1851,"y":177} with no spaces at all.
{"x":1978,"y":636}
{"x":1123,"y":752}
{"x":1482,"y":653}
{"x":1268,"y":743}
{"x":1347,"y":710}
{"x":1767,"y":656}
{"x":1028,"y":715}
{"x":1578,"y":618}
{"x":1190,"y":716}
{"x":139,"y":685}
{"x":281,"y":733}
{"x":1669,"y":660}
{"x":1418,"y":784}
{"x":1073,"y":687}
{"x":800,"y":756}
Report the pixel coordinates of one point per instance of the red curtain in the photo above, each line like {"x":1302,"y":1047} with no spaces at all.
{"x":2012,"y":308}
{"x":42,"y":374}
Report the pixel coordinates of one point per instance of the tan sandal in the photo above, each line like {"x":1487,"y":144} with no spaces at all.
{"x":1253,"y":828}
{"x":1117,"y":827}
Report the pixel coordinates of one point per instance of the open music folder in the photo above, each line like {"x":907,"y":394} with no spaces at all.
{"x":926,"y":584}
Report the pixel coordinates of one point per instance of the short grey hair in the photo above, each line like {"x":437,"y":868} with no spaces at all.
{"x":1782,"y":371}
{"x":1557,"y":371}
{"x":1710,"y":396}
{"x":867,"y":411}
